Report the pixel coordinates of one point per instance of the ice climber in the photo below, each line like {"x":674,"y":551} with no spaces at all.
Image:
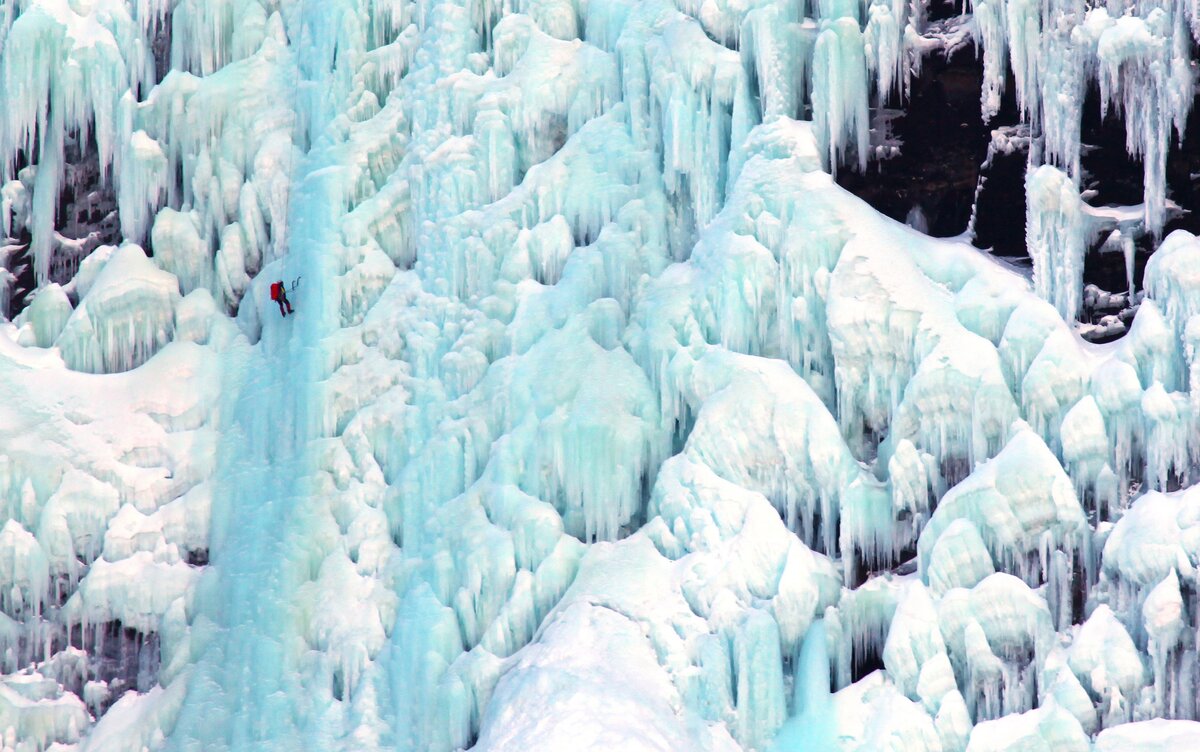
{"x":279,"y":295}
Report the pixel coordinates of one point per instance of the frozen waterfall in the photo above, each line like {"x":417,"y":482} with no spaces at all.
{"x":607,"y":417}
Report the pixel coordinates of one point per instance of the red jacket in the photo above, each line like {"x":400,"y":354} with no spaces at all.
{"x":276,"y":290}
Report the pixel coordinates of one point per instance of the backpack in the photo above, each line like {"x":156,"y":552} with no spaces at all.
{"x":276,"y":290}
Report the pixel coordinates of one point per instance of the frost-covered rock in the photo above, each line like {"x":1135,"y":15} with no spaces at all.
{"x":1157,"y":535}
{"x":1106,"y":661}
{"x":871,"y":714}
{"x":1046,"y":728}
{"x":1012,"y":502}
{"x":959,"y":558}
{"x":37,"y":713}
{"x":126,"y":316}
{"x":47,"y":315}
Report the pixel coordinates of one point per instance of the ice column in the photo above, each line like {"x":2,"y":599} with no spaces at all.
{"x":839,"y":96}
{"x":1056,"y":234}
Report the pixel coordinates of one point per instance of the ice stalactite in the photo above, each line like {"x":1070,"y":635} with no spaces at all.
{"x":1108,"y":664}
{"x":883,"y":40}
{"x":997,"y":635}
{"x":961,"y":370}
{"x":91,"y":95}
{"x":1024,"y":29}
{"x":93,"y":563}
{"x":181,"y":250}
{"x":915,"y":655}
{"x":572,"y":460}
{"x":808,"y":485}
{"x":703,"y":108}
{"x":47,"y":315}
{"x":234,"y":186}
{"x":1164,"y":622}
{"x":1085,"y":452}
{"x":24,"y":570}
{"x":207,"y":36}
{"x":1173,"y":279}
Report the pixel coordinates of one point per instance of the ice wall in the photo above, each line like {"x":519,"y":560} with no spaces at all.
{"x":606,"y":419}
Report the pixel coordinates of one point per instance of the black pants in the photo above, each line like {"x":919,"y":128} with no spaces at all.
{"x":283,"y":301}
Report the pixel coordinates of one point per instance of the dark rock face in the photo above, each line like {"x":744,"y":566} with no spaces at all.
{"x":945,"y":182}
{"x":1000,"y":207}
{"x":18,"y":262}
{"x":87,"y":211}
{"x":122,"y":659}
{"x":197,"y":558}
{"x":1118,"y":179}
{"x":161,"y":47}
{"x":944,"y":143}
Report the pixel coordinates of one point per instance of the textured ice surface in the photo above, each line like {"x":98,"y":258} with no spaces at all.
{"x":606,"y":419}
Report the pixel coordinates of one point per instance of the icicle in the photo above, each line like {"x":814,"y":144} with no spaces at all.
{"x":884,"y":51}
{"x":991,"y":32}
{"x":839,"y":93}
{"x":1064,"y":69}
{"x":1014,"y":538}
{"x":1024,"y":43}
{"x":1107,"y":662}
{"x":24,"y":571}
{"x":1167,"y":431}
{"x":1173,"y":279}
{"x":1085,"y":447}
{"x":69,"y":72}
